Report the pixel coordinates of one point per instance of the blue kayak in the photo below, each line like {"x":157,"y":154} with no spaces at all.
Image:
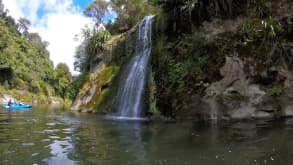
{"x":16,"y":106}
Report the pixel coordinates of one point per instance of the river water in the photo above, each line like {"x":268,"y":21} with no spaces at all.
{"x":56,"y":136}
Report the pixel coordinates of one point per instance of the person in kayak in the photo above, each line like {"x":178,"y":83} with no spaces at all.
{"x":9,"y":102}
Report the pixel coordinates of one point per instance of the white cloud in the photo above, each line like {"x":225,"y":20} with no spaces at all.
{"x":59,"y":23}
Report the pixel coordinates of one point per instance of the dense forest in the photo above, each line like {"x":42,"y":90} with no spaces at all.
{"x":27,"y":73}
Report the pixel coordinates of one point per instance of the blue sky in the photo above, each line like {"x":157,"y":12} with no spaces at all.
{"x":82,"y":3}
{"x":57,"y":21}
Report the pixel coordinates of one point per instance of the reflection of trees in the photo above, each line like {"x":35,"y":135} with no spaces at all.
{"x":110,"y":143}
{"x":131,"y":139}
{"x":275,"y":146}
{"x":93,"y":143}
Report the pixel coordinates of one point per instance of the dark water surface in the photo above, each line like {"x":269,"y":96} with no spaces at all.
{"x":48,"y":136}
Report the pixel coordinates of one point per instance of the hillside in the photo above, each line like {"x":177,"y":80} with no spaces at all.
{"x":27,"y":73}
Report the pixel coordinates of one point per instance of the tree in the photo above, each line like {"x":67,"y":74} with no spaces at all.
{"x":75,"y":86}
{"x":1,"y":8}
{"x":80,"y":64}
{"x":89,"y":48}
{"x":63,"y":79}
{"x":97,"y":11}
{"x":23,"y":25}
{"x":36,"y":40}
{"x":129,"y":12}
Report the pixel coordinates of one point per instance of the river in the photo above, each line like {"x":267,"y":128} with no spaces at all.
{"x":55,"y":136}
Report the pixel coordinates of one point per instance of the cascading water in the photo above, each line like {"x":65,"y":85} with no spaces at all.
{"x":129,"y":102}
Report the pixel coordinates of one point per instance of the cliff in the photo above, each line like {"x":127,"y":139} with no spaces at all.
{"x":233,"y":65}
{"x":219,"y":60}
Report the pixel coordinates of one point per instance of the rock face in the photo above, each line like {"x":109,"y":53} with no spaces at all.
{"x":227,"y":68}
{"x":95,"y":89}
{"x":240,"y":95}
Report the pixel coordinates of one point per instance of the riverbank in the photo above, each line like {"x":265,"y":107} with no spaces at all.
{"x":28,"y":97}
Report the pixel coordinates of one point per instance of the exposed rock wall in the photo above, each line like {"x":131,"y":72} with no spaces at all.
{"x":239,"y":96}
{"x":248,"y":89}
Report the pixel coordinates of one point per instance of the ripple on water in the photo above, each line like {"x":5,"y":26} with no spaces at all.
{"x":118,"y":118}
{"x":54,"y":137}
{"x":51,"y":130}
{"x":46,"y":140}
{"x":68,"y":130}
{"x":27,"y":144}
{"x":51,"y":124}
{"x":7,"y":152}
{"x":35,"y":154}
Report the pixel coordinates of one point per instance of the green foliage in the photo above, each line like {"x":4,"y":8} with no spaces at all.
{"x":24,"y":60}
{"x":27,"y":62}
{"x":80,"y":59}
{"x":63,"y":79}
{"x":233,"y":96}
{"x":256,"y":29}
{"x":261,"y":7}
{"x":94,"y":43}
{"x":6,"y":85}
{"x":271,"y":27}
{"x":101,"y":80}
{"x":129,"y":13}
{"x":152,"y":94}
{"x":36,"y":40}
{"x":97,"y":10}
{"x":76,"y":84}
{"x":35,"y":86}
{"x":23,"y":25}
{"x":181,"y":67}
{"x":275,"y":89}
{"x":250,"y":30}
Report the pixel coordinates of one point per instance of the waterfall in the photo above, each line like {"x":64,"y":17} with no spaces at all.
{"x":129,"y":102}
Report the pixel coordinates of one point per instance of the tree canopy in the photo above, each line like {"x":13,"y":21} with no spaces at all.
{"x":24,"y":60}
{"x":129,"y":13}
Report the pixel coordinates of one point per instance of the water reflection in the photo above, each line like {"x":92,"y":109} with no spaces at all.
{"x":31,"y":138}
{"x":130,"y":137}
{"x":59,"y":150}
{"x":56,"y":137}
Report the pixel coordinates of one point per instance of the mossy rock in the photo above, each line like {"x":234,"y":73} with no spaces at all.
{"x":233,"y":96}
{"x":101,"y":79}
{"x":275,"y":89}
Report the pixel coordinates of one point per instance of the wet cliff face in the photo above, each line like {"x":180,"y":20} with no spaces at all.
{"x":234,"y":68}
{"x":251,"y":93}
{"x":257,"y":76}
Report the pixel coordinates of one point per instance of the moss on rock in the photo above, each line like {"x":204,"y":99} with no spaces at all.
{"x":96,"y":87}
